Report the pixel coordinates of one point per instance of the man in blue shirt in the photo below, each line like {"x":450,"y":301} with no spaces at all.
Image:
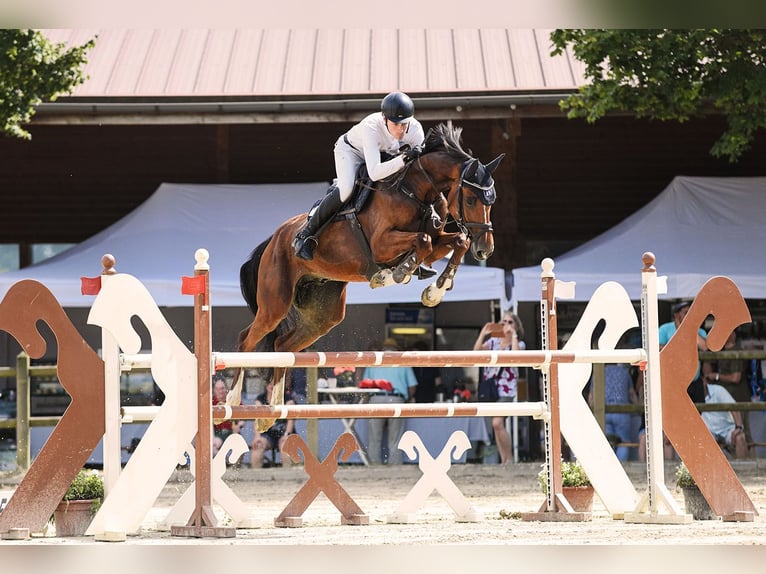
{"x":403,"y":383}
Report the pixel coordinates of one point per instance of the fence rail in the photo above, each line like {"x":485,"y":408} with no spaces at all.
{"x":24,"y":371}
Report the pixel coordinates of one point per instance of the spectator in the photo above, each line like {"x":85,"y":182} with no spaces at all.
{"x":297,"y":384}
{"x":731,"y":374}
{"x":403,"y":383}
{"x":275,"y":437}
{"x":618,"y":390}
{"x":429,"y":379}
{"x":726,"y":426}
{"x":224,"y":428}
{"x":504,"y":379}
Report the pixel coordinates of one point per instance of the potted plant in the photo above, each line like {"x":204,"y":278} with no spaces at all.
{"x":694,"y":502}
{"x":575,"y":485}
{"x":81,"y":501}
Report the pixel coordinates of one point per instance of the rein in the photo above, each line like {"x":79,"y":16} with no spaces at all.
{"x":467,"y":227}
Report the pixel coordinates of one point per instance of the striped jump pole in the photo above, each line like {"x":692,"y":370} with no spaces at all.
{"x":396,"y":410}
{"x":536,"y":359}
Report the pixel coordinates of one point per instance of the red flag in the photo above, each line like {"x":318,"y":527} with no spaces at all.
{"x":192,"y":285}
{"x":90,"y":285}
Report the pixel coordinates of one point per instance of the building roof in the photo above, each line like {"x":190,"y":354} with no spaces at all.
{"x":284,"y":64}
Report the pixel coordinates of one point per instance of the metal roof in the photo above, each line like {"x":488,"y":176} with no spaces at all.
{"x":284,"y":64}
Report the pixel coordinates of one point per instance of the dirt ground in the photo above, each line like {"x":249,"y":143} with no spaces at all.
{"x":497,"y":493}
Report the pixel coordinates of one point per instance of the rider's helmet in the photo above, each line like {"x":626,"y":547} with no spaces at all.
{"x":397,"y":107}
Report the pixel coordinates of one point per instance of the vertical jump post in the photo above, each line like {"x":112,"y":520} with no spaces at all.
{"x":203,"y":521}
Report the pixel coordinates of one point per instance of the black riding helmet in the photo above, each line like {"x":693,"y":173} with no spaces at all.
{"x":397,"y":107}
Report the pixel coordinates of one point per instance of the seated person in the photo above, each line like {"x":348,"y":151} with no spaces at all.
{"x":276,"y":436}
{"x":224,"y":428}
{"x":726,"y":426}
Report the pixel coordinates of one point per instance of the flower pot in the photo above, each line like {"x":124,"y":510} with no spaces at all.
{"x":696,"y":505}
{"x":580,"y":497}
{"x":72,"y":517}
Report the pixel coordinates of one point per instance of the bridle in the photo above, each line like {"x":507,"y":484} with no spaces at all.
{"x":484,"y":192}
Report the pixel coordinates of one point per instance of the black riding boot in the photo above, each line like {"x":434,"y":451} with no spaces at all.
{"x":306,"y":240}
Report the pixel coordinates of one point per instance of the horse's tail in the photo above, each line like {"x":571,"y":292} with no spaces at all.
{"x":248,"y":276}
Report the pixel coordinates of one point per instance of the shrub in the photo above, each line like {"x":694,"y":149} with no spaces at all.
{"x":87,"y":485}
{"x":572,"y":474}
{"x":684,"y":479}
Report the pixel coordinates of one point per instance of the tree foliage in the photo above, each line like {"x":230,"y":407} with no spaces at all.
{"x":34,"y":70}
{"x":673,"y":75}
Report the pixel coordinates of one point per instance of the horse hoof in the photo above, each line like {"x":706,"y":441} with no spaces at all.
{"x":382,"y":278}
{"x":263,"y":425}
{"x":428,"y":297}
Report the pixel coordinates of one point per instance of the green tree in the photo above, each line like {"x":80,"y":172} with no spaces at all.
{"x":673,"y":75}
{"x":34,"y":70}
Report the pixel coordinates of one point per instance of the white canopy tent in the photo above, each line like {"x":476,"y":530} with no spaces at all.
{"x":156,"y":243}
{"x":697,"y":228}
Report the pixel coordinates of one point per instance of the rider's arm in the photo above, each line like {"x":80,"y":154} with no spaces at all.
{"x":375,"y":168}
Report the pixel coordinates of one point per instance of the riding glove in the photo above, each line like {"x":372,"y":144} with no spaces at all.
{"x":413,"y":153}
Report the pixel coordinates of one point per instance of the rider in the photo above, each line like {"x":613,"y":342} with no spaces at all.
{"x":385,"y":131}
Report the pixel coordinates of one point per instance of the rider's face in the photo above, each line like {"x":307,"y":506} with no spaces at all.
{"x":397,"y":130}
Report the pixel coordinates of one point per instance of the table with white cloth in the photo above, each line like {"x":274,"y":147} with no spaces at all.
{"x":433,"y":431}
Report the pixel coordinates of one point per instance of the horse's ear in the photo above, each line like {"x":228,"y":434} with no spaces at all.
{"x":471,"y":169}
{"x":492,"y":166}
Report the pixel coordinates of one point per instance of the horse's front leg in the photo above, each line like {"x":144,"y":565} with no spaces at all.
{"x":391,"y":245}
{"x":458,"y":243}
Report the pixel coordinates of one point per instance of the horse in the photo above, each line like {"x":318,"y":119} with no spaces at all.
{"x":401,"y":225}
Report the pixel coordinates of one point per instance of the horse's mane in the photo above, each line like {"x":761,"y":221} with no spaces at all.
{"x":445,"y":137}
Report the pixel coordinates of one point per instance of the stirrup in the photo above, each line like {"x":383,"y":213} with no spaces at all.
{"x":305,"y":246}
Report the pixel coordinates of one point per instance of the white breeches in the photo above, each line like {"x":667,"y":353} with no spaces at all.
{"x":346,"y":164}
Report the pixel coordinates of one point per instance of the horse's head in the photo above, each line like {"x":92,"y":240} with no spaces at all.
{"x":466,"y":183}
{"x":475,"y":195}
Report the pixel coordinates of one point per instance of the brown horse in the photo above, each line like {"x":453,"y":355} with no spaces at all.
{"x":401,"y":225}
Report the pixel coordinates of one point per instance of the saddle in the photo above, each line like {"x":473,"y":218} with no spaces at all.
{"x":360,"y":195}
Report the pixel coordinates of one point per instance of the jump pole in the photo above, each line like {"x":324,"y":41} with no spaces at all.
{"x":112,"y":450}
{"x":537,"y":359}
{"x":649,"y":508}
{"x":556,"y":507}
{"x":110,"y":352}
{"x":203,"y":521}
{"x":396,"y":410}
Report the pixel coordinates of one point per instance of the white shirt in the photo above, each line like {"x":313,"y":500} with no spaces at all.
{"x":371,"y":136}
{"x":719,"y":422}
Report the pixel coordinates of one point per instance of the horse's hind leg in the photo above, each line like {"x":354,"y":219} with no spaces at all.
{"x":265,"y":322}
{"x":319,"y":306}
